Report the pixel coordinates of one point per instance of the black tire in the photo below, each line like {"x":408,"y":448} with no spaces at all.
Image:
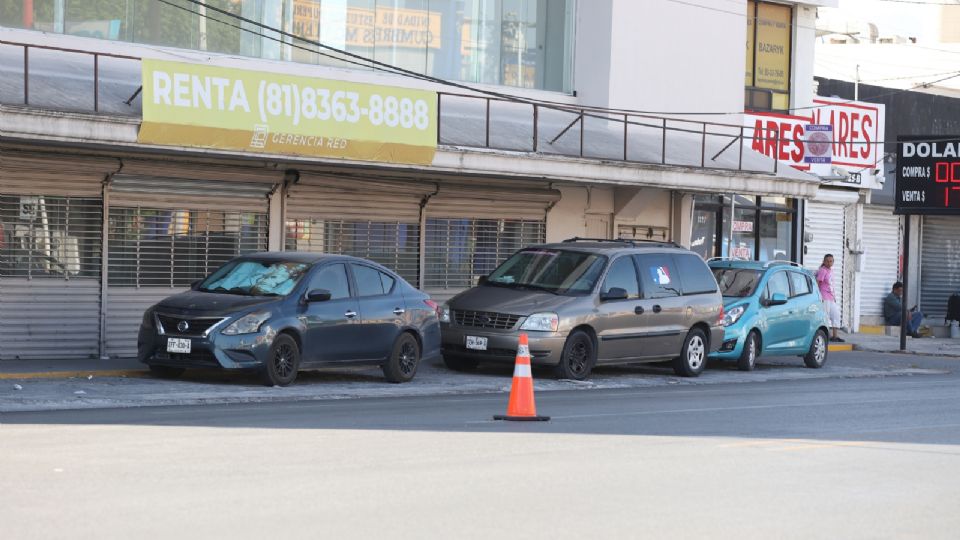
{"x":751,"y":350}
{"x":404,"y":359}
{"x":578,"y":357}
{"x":166,"y":372}
{"x":693,"y":354}
{"x":816,"y":357}
{"x":283,"y":362}
{"x":458,"y":363}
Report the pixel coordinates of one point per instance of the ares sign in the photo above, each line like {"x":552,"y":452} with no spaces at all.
{"x":928,"y":175}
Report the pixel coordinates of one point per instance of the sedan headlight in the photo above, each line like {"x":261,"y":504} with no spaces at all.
{"x":444,"y":313}
{"x":733,"y":315}
{"x":148,"y":320}
{"x":248,"y":324}
{"x":543,"y":322}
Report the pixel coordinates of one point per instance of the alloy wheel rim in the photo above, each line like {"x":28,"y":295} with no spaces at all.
{"x":283,"y":360}
{"x":820,"y":349}
{"x":408,"y":358}
{"x":695,"y":350}
{"x":753,"y":350}
{"x":578,"y":358}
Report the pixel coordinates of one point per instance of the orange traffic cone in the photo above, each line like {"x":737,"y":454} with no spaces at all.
{"x":521,"y":406}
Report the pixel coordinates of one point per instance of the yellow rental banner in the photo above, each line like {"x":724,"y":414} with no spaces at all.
{"x":234,"y":109}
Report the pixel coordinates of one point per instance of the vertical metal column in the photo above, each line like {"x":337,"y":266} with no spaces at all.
{"x":104,"y":265}
{"x":904,"y":313}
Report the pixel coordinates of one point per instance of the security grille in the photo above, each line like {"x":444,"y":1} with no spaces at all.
{"x":50,"y":237}
{"x":480,"y":319}
{"x":459,"y":251}
{"x":173,"y":248}
{"x":395,"y":245}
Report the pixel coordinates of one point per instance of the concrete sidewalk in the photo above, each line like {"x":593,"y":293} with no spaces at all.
{"x":932,"y":346}
{"x":62,"y":368}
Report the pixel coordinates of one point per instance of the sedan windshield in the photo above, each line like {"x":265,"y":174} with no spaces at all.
{"x":737,"y":282}
{"x":255,"y":278}
{"x":551,"y":270}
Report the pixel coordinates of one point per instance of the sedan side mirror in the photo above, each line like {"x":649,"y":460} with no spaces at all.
{"x":482,"y":280}
{"x":195,"y":284}
{"x":778,"y":299}
{"x":318,"y":295}
{"x":615,"y":293}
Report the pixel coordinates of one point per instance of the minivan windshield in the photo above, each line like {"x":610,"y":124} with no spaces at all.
{"x":552,"y":270}
{"x":255,"y":278}
{"x":737,"y":282}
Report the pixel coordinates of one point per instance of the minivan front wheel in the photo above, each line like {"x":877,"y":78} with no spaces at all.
{"x":693,"y":355}
{"x":282,"y":363}
{"x":578,"y":357}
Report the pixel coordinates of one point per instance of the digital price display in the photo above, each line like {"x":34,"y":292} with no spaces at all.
{"x":928,"y":175}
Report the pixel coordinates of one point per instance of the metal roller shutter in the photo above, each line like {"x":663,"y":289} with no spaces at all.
{"x":50,"y":254}
{"x":470,"y":231}
{"x":375,"y":220}
{"x":939,"y":264}
{"x":882,"y":237}
{"x":825,"y":222}
{"x":166,"y":233}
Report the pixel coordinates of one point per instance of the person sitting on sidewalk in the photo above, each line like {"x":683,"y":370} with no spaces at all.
{"x":892,"y":311}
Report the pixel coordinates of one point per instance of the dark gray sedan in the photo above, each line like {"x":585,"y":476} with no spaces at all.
{"x":279,"y":312}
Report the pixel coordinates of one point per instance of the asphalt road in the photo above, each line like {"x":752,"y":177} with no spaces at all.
{"x":874,"y":457}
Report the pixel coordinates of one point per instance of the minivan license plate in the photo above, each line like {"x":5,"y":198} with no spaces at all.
{"x":477,"y":343}
{"x":178,"y":345}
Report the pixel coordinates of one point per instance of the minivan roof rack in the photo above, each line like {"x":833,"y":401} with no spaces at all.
{"x":628,"y":241}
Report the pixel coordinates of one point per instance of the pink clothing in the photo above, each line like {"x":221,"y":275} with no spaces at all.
{"x":825,"y":281}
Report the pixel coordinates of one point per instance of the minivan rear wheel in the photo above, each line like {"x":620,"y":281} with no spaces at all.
{"x":693,"y":355}
{"x":578,"y":357}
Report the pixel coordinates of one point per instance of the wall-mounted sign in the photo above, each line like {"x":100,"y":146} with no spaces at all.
{"x":928,"y":175}
{"x":742,"y":226}
{"x":857,"y":128}
{"x":235,"y":109}
{"x":818,"y":144}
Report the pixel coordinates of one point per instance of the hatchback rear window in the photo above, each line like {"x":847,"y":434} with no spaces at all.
{"x":737,"y":282}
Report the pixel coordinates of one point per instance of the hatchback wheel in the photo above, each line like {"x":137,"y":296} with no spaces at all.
{"x":751,"y":349}
{"x":283,"y":362}
{"x":403,"y":361}
{"x":817,"y":355}
{"x":578,"y":357}
{"x":693,"y":355}
{"x":167,"y":372}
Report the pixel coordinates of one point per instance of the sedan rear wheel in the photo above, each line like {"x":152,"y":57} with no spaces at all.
{"x":404,"y":360}
{"x":283,"y":362}
{"x":693,"y":355}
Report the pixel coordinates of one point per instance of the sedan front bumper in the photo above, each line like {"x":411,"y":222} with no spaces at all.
{"x":213,"y":351}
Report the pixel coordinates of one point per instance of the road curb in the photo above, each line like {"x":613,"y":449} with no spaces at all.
{"x":861,"y":348}
{"x":76,"y":374}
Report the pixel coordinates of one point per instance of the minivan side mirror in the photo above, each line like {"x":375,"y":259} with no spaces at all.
{"x":318,"y":295}
{"x":615,"y":293}
{"x":778,"y":299}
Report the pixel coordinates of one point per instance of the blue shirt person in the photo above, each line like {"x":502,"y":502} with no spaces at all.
{"x":892,"y":310}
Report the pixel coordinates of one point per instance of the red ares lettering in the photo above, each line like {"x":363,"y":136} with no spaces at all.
{"x":765,"y":140}
{"x":848,"y":128}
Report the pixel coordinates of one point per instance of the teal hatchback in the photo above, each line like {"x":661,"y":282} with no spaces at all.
{"x":771,"y":308}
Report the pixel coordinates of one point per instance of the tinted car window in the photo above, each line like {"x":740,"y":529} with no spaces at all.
{"x":778,"y":284}
{"x":368,"y":281}
{"x":737,"y":282}
{"x":387,"y":282}
{"x":695,"y":277}
{"x":658,"y":275}
{"x":622,"y":274}
{"x":801,"y":285}
{"x":332,"y":278}
{"x":559,"y":271}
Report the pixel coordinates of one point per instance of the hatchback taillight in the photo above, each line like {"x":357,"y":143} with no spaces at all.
{"x":720,"y":316}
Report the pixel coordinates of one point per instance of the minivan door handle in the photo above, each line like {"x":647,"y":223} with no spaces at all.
{"x":657,"y":308}
{"x":638,"y":310}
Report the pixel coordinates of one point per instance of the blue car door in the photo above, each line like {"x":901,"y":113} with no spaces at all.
{"x":331,"y":327}
{"x":807,"y":308}
{"x":778,"y":332}
{"x":382,"y":309}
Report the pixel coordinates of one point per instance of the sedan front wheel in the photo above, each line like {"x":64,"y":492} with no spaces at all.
{"x":282,"y":363}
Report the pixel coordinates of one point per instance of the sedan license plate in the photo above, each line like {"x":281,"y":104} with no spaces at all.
{"x":178,"y":345}
{"x":477,"y":343}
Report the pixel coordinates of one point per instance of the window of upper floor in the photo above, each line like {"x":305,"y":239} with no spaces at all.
{"x":769,"y":55}
{"x":516,"y":43}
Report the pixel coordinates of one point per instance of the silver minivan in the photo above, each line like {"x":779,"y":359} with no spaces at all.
{"x":584,"y":302}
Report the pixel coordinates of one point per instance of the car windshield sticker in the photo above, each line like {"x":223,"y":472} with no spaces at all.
{"x":660,"y":275}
